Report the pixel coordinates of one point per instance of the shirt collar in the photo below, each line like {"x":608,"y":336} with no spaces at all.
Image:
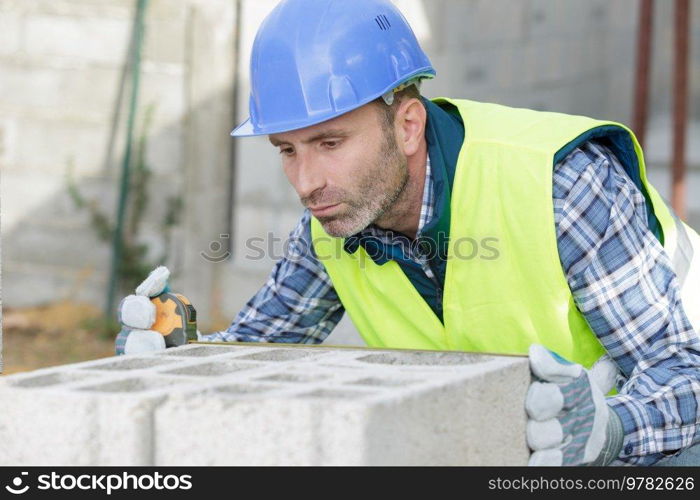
{"x":428,"y":206}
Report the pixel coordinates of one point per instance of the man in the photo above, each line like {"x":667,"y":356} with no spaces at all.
{"x":452,"y":224}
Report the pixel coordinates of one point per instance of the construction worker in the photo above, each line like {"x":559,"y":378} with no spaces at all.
{"x":454,"y":224}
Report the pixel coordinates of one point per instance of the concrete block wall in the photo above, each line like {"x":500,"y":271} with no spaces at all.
{"x":539,"y":54}
{"x":269,"y":405}
{"x":61,"y":63}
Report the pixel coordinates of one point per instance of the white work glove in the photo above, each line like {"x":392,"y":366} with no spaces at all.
{"x":137,"y":314}
{"x":569,"y":421}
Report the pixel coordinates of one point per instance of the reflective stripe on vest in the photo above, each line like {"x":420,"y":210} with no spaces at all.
{"x":502,"y":199}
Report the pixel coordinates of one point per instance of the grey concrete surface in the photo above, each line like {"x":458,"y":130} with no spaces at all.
{"x":265,"y":404}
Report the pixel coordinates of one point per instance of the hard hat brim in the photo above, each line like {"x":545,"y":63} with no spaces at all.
{"x":244,"y":129}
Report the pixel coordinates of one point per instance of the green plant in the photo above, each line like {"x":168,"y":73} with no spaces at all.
{"x":135,"y":264}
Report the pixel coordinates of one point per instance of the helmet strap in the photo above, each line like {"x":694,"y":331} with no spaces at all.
{"x":389,"y":96}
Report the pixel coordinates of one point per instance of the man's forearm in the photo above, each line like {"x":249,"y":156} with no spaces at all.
{"x":624,"y":284}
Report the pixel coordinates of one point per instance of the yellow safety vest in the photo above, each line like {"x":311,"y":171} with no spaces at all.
{"x":504,"y":284}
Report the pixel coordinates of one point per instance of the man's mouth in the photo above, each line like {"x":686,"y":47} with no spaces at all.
{"x":323,"y":209}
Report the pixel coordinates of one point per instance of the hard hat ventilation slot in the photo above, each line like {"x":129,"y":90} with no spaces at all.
{"x":382,"y":22}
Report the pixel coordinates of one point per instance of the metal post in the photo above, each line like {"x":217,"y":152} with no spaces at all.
{"x":117,"y":241}
{"x":680,"y":104}
{"x":641,"y":90}
{"x":234,"y":114}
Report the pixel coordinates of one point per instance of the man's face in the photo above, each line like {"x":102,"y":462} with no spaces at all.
{"x":348,"y":171}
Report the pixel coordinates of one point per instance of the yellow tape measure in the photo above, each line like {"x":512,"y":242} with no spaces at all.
{"x":176,"y":319}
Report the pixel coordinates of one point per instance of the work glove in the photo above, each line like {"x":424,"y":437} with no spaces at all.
{"x":569,"y":421}
{"x":137,"y":314}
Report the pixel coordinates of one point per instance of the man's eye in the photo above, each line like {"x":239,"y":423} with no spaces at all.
{"x":330,"y":144}
{"x":286,"y":151}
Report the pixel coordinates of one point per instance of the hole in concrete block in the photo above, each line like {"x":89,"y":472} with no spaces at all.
{"x":242,"y":389}
{"x":199,"y":351}
{"x":129,"y":364}
{"x":424,"y":358}
{"x":49,"y":379}
{"x":383,"y":382}
{"x":129,"y":385}
{"x":211,"y":369}
{"x":293,"y":377}
{"x":277,"y":355}
{"x":336,"y":394}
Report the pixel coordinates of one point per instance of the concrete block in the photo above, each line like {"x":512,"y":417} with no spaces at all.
{"x":165,"y":149}
{"x":165,"y":92}
{"x":543,"y":19}
{"x":28,"y":86}
{"x":65,"y":90}
{"x":658,"y":149}
{"x":46,"y":244}
{"x":479,"y":23}
{"x":33,"y":198}
{"x":261,"y":235}
{"x":587,"y":96}
{"x":165,"y":40}
{"x":260,"y":178}
{"x":545,"y":59}
{"x":23,"y":193}
{"x":167,"y":10}
{"x":494,"y":68}
{"x":11,"y":28}
{"x":566,"y":19}
{"x":449,"y":81}
{"x":50,"y":146}
{"x":8,"y":142}
{"x":619,"y":97}
{"x":74,"y":415}
{"x":554,"y":97}
{"x":427,"y":21}
{"x":102,"y":40}
{"x":269,"y":404}
{"x":624,"y":14}
{"x":355,"y":408}
{"x":660,"y":178}
{"x":29,"y":284}
{"x":599,"y":14}
{"x":80,"y":8}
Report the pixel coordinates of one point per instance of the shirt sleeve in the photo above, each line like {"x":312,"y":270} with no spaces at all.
{"x":297,"y":304}
{"x":623,"y":282}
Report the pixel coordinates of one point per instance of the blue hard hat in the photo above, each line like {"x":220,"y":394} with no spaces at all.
{"x":313,"y":60}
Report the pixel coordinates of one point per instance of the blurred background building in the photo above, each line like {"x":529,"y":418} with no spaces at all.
{"x":207,"y":205}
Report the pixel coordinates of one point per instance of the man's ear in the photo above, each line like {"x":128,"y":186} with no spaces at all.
{"x":410,"y":123}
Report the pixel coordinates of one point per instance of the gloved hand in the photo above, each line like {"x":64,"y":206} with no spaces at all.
{"x":569,"y":421}
{"x":137,"y":314}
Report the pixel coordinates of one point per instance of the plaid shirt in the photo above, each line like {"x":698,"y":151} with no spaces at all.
{"x":621,"y":279}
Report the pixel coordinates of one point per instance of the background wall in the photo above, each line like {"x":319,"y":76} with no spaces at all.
{"x":62,"y":61}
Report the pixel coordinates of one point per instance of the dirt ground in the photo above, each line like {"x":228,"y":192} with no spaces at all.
{"x":54,"y":334}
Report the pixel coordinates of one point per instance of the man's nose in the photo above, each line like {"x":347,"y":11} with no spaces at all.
{"x":308,"y":176}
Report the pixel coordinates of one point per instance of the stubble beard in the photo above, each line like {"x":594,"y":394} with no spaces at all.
{"x":378,"y":191}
